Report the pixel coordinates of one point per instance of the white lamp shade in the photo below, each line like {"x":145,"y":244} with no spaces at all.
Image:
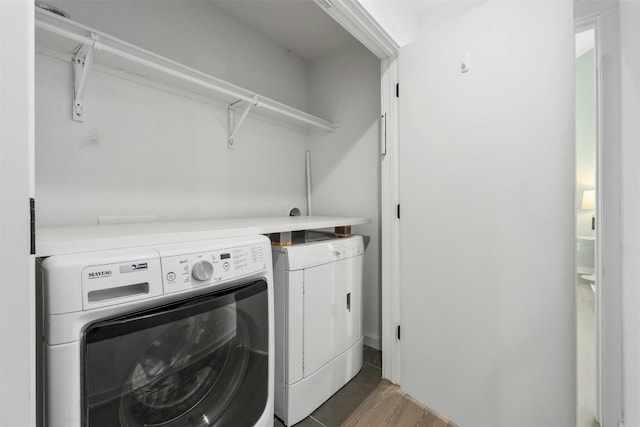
{"x":588,"y":200}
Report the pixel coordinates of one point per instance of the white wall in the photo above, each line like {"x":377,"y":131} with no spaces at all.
{"x":198,"y":35}
{"x":487,"y":226}
{"x":142,"y":151}
{"x":630,"y":141}
{"x":345,"y":163}
{"x":17,"y":320}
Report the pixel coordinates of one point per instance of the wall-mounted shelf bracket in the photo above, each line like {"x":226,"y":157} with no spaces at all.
{"x":82,"y":61}
{"x":233,"y":125}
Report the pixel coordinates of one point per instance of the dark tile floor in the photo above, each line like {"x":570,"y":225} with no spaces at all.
{"x":338,"y":408}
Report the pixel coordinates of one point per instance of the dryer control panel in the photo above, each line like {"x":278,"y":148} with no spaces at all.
{"x":323,"y":252}
{"x":209,"y":266}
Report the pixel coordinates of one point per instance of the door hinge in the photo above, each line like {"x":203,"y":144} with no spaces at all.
{"x":398,"y":334}
{"x":397,"y":90}
{"x":398,"y":211}
{"x":32,"y":225}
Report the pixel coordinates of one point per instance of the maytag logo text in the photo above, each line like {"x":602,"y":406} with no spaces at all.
{"x":99,"y":274}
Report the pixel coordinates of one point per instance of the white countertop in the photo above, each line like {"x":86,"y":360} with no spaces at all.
{"x":65,"y":240}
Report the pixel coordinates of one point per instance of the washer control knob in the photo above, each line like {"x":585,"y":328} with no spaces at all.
{"x":202,"y":270}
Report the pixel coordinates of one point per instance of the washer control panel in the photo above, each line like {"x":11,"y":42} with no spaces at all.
{"x":186,"y":271}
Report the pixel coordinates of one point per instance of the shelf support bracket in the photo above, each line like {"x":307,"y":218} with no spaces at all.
{"x":82,"y":62}
{"x":233,"y":126}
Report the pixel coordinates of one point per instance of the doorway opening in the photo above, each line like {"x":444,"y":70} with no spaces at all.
{"x":588,"y":295}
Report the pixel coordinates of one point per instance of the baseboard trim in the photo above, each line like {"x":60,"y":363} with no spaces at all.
{"x":373,"y":342}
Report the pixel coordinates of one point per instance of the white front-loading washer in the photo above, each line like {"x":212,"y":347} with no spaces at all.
{"x":318,"y":319}
{"x":164,"y":335}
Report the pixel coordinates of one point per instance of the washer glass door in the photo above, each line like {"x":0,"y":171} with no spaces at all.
{"x":197,"y":362}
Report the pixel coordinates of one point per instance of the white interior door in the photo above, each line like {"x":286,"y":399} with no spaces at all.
{"x":486,"y":183}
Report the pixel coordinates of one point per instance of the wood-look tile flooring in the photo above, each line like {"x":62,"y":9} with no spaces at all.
{"x":388,"y":406}
{"x":369,"y":401}
{"x":586,"y":356}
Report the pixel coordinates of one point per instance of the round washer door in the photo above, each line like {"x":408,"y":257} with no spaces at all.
{"x":192,"y":363}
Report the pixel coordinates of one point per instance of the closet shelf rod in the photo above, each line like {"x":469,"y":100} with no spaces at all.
{"x":99,"y":45}
{"x":331,"y":127}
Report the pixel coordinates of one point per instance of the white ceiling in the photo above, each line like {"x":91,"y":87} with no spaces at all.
{"x":300,"y":26}
{"x":305,"y":29}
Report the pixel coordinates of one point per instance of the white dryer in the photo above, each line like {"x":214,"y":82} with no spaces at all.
{"x":164,"y":335}
{"x":318,"y":320}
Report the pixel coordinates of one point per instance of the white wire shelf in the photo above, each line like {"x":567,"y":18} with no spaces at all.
{"x":84,"y":46}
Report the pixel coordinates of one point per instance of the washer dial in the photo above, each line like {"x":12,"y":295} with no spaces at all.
{"x":202,"y":270}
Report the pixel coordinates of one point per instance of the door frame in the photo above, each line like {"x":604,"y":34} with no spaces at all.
{"x":580,"y":25}
{"x":17,"y":265}
{"x":356,"y":20}
{"x":609,"y":242}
